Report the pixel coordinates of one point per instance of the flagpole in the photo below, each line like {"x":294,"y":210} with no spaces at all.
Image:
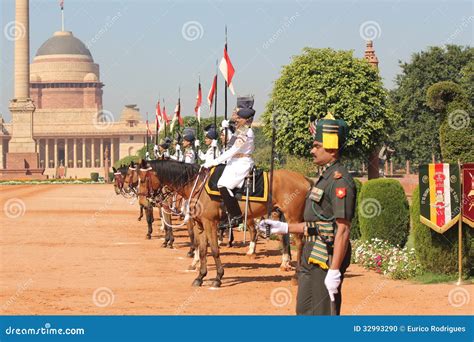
{"x":215,"y":106}
{"x":198,"y":113}
{"x":62,"y":16}
{"x":225,"y":93}
{"x":461,"y":180}
{"x":164,"y":110}
{"x":146,"y":133}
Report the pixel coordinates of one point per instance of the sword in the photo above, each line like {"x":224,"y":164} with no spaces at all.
{"x":246,"y":206}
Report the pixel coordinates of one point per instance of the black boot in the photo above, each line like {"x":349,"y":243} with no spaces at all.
{"x":233,"y":210}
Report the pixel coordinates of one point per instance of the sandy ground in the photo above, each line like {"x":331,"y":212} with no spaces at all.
{"x":79,"y":249}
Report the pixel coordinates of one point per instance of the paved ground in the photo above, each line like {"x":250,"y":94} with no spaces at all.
{"x":79,"y":249}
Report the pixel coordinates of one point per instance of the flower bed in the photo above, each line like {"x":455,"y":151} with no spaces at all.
{"x":380,"y":256}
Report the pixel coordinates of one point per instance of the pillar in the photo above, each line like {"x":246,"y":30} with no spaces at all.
{"x":66,"y":154}
{"x":101,"y":152}
{"x":93,"y":152}
{"x":112,"y":151}
{"x":83,"y":152}
{"x":46,"y":153}
{"x":74,"y":153}
{"x":408,"y":167}
{"x":56,"y":153}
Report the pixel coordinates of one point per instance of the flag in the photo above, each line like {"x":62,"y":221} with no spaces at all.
{"x":227,"y":70}
{"x":468,"y":194}
{"x":197,"y":108}
{"x":148,"y":129}
{"x":439,"y":196}
{"x":61,"y":4}
{"x":210,"y":96}
{"x":177,"y":115}
{"x":166,"y":120}
{"x":158,"y":118}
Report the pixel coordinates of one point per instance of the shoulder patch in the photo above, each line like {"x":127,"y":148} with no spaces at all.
{"x":341,"y":192}
{"x":337,"y":175}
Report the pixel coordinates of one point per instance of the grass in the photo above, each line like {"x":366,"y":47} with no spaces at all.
{"x":435,"y":278}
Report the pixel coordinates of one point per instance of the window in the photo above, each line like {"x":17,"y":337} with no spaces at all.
{"x":131,"y":137}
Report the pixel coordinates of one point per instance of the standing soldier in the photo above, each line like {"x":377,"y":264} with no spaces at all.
{"x":238,"y":157}
{"x":328,"y":213}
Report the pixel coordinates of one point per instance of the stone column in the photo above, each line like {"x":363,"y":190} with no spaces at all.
{"x":66,"y":156}
{"x":101,"y":152}
{"x":74,"y":153}
{"x":112,"y":151}
{"x":56,"y":153}
{"x":93,"y":152}
{"x":46,"y":153}
{"x":83,"y":152}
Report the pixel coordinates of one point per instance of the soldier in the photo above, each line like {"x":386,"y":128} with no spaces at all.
{"x":161,"y":150}
{"x":238,"y":157}
{"x":211,"y":141}
{"x":328,"y":213}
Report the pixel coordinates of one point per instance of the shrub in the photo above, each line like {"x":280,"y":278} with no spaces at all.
{"x":94,"y":176}
{"x":384,"y":212}
{"x":355,"y":227}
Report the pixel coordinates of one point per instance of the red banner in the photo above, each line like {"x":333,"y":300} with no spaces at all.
{"x":468,"y":194}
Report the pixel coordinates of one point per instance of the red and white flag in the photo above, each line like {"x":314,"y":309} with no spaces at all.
{"x":165,"y":117}
{"x":148,"y":129}
{"x":61,"y":4}
{"x":177,"y":115}
{"x":227,"y":70}
{"x":197,"y":108}
{"x":212,"y":91}
{"x":158,"y":118}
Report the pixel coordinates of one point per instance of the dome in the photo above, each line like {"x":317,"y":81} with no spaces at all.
{"x":90,"y":77}
{"x":63,"y":43}
{"x":130,"y":113}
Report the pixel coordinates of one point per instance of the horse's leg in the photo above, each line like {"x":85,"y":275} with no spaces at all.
{"x":202,"y":245}
{"x":212,"y":238}
{"x":196,"y":246}
{"x":252,"y":251}
{"x":149,"y":220}
{"x":190,"y":226}
{"x":299,"y":252}
{"x":285,"y":253}
{"x":141,"y":213}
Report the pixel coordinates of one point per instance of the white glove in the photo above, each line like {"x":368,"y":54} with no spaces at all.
{"x":178,"y":147}
{"x":209,"y":164}
{"x":214,"y":143}
{"x":225,"y":124}
{"x":277,"y":227}
{"x":196,"y":143}
{"x":332,"y":282}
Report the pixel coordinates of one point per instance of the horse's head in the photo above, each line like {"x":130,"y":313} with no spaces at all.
{"x":119,"y":177}
{"x":131,"y":178}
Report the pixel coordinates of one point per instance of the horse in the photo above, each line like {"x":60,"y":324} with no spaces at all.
{"x":119,"y":179}
{"x":289,"y":189}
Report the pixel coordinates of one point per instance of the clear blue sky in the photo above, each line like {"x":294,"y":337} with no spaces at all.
{"x":143,"y":52}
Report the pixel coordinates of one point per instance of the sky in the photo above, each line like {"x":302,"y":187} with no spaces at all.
{"x":149,"y":49}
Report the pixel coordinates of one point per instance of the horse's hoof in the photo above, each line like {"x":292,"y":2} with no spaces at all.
{"x":170,"y":246}
{"x":191,"y":267}
{"x":252,"y":256}
{"x":197,"y":282}
{"x":164,"y":245}
{"x":216,"y":283}
{"x":139,"y":219}
{"x":190,"y":254}
{"x":148,"y":237}
{"x":294,"y":281}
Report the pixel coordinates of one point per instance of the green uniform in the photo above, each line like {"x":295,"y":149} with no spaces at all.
{"x":331,"y":197}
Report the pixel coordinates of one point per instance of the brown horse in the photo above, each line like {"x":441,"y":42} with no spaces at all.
{"x":119,"y":180}
{"x":289,"y":189}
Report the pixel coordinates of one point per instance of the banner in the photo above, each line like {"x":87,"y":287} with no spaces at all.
{"x":468,"y":194}
{"x":439,"y":196}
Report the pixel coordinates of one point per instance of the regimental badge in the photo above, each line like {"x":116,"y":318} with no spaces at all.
{"x":316,"y":194}
{"x":341,"y":192}
{"x":337,"y":175}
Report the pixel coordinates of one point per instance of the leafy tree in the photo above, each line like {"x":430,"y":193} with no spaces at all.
{"x":416,"y":138}
{"x":322,"y":80}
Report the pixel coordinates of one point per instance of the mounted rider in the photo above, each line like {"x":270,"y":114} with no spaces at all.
{"x":238,"y":157}
{"x":211,"y":141}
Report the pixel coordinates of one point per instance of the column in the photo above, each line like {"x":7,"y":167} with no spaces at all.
{"x":55,"y":152}
{"x":46,"y":153}
{"x":101,"y":152}
{"x":74,"y":153}
{"x":112,"y":151}
{"x":66,"y":156}
{"x":408,"y":167}
{"x":22,"y":50}
{"x":391,"y":168}
{"x":83,"y":152}
{"x":93,"y":152}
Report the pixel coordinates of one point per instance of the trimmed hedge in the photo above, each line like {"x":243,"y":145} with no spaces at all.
{"x":355,"y":227}
{"x":438,"y":253}
{"x":384,"y":211}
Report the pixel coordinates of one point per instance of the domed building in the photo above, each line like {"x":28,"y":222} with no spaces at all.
{"x":71,"y":129}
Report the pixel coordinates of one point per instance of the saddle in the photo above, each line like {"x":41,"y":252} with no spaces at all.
{"x":259,"y":193}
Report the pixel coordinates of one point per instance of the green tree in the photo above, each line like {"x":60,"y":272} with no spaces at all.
{"x":416,"y":138}
{"x":322,"y":80}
